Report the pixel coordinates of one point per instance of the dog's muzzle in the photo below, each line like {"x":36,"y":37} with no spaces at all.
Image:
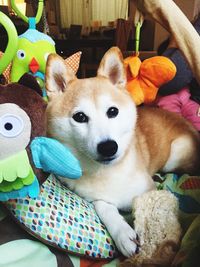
{"x":107,"y":150}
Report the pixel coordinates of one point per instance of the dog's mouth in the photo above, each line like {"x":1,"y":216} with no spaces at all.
{"x":106,"y":160}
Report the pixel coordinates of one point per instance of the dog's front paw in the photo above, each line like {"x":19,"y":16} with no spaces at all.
{"x":126,"y":241}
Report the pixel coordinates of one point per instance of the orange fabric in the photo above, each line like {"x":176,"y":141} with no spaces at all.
{"x":145,"y":78}
{"x":132,"y":65}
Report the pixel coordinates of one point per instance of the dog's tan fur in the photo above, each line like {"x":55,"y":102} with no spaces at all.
{"x":156,"y":131}
{"x":153,"y":140}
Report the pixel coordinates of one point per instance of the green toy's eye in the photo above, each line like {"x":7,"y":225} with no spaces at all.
{"x":11,"y":125}
{"x":21,"y":54}
{"x":46,"y":56}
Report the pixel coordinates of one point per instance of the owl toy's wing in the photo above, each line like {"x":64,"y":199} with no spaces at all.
{"x":51,"y":156}
{"x":17,"y":178}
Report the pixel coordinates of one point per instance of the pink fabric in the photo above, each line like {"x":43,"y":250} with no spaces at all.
{"x":183,"y":105}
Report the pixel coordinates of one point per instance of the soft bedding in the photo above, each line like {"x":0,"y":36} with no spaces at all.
{"x":20,"y":248}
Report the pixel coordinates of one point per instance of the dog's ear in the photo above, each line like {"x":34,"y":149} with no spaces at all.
{"x":112,"y":67}
{"x":57,"y":76}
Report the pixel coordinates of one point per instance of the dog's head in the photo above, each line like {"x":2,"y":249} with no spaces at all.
{"x":94,"y":116}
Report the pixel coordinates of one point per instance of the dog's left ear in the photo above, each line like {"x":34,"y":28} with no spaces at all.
{"x":57,"y":76}
{"x":112,"y":67}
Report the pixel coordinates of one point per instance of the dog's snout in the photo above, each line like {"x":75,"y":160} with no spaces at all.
{"x":107,"y":148}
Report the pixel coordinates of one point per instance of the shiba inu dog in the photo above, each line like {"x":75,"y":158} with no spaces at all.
{"x":119,"y":146}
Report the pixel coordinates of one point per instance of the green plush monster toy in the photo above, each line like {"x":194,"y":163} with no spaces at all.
{"x":29,"y":53}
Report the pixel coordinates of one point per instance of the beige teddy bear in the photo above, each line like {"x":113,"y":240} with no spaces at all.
{"x":157,"y":225}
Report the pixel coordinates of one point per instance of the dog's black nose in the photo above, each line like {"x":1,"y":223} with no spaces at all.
{"x":107,"y":148}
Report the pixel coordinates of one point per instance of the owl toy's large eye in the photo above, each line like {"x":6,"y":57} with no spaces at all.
{"x":11,"y":125}
{"x":21,"y":54}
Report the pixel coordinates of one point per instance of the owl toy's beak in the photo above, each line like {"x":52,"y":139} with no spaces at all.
{"x":34,"y":65}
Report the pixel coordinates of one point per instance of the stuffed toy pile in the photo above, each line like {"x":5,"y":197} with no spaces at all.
{"x":25,"y":162}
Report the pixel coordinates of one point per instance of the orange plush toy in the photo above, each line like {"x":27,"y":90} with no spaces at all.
{"x":145,"y":78}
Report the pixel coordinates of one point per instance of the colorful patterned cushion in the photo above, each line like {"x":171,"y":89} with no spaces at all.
{"x":64,"y":220}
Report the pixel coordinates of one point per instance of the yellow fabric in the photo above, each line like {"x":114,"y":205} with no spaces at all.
{"x":145,"y":78}
{"x":88,"y":12}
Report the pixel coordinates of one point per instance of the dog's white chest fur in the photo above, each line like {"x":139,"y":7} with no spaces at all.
{"x":117,"y":184}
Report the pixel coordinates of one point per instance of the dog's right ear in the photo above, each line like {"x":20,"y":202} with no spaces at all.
{"x":57,"y":76}
{"x":112,"y":67}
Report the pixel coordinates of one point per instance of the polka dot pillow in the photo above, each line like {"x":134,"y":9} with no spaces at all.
{"x":62,"y":219}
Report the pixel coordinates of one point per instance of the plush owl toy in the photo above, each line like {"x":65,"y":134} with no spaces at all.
{"x":26,"y":155}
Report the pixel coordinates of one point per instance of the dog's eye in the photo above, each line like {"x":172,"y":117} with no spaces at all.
{"x":112,"y":112}
{"x":80,"y":117}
